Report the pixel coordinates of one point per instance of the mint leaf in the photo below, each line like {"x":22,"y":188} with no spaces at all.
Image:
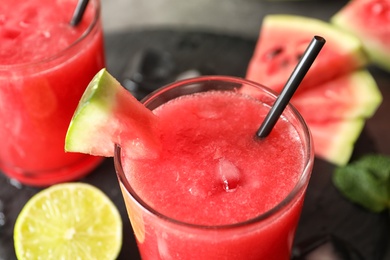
{"x":366,"y":182}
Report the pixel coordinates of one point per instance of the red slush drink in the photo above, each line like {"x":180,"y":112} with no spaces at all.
{"x":45,"y":65}
{"x":217,"y":191}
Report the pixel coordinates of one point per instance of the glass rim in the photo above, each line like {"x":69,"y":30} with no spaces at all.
{"x":299,"y":186}
{"x":62,"y":52}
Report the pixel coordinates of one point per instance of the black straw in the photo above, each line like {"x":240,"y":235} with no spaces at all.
{"x":79,"y":12}
{"x":291,"y":86}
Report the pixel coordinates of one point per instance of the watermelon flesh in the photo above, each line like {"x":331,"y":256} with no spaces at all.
{"x":106,"y":106}
{"x":284,"y":38}
{"x":349,"y":96}
{"x":369,"y":20}
{"x":337,"y":94}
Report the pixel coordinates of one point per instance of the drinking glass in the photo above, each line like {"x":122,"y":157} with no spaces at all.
{"x":268,"y":235}
{"x":39,"y":97}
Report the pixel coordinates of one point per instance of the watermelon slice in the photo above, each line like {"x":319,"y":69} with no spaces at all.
{"x":335,"y":112}
{"x":284,"y":38}
{"x":369,"y":20}
{"x":106,"y":107}
{"x":349,"y":96}
{"x":334,"y":140}
{"x":337,"y":94}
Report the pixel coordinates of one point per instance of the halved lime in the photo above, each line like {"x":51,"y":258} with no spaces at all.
{"x":68,"y":221}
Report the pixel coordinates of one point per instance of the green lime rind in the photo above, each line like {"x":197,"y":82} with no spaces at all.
{"x":68,"y":221}
{"x":366,"y":182}
{"x":94,"y":112}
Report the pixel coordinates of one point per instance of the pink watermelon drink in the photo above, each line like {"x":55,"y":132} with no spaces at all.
{"x":216,"y":191}
{"x":45,"y":65}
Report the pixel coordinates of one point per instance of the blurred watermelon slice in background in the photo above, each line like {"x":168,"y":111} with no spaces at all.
{"x":368,"y":20}
{"x":336,"y":96}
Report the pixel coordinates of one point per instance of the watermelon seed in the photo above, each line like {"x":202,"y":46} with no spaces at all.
{"x":273,"y":53}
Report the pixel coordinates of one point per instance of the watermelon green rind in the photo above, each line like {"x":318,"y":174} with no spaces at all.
{"x":374,"y":37}
{"x":367,"y":93}
{"x":108,"y":114}
{"x":92,"y":113}
{"x":349,"y":96}
{"x":335,"y":140}
{"x":342,"y":52}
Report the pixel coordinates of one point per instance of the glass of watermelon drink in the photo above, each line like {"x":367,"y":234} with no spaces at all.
{"x":217,"y":191}
{"x":45,"y":65}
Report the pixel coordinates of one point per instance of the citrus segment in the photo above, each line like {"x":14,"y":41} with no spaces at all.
{"x":68,"y":221}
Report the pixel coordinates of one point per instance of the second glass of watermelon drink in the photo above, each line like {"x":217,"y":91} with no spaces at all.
{"x":217,"y":191}
{"x":45,"y":65}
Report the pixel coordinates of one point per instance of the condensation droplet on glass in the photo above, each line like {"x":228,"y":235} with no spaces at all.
{"x":15,"y":183}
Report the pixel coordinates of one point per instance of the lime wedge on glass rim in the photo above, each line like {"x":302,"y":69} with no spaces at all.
{"x":68,"y":221}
